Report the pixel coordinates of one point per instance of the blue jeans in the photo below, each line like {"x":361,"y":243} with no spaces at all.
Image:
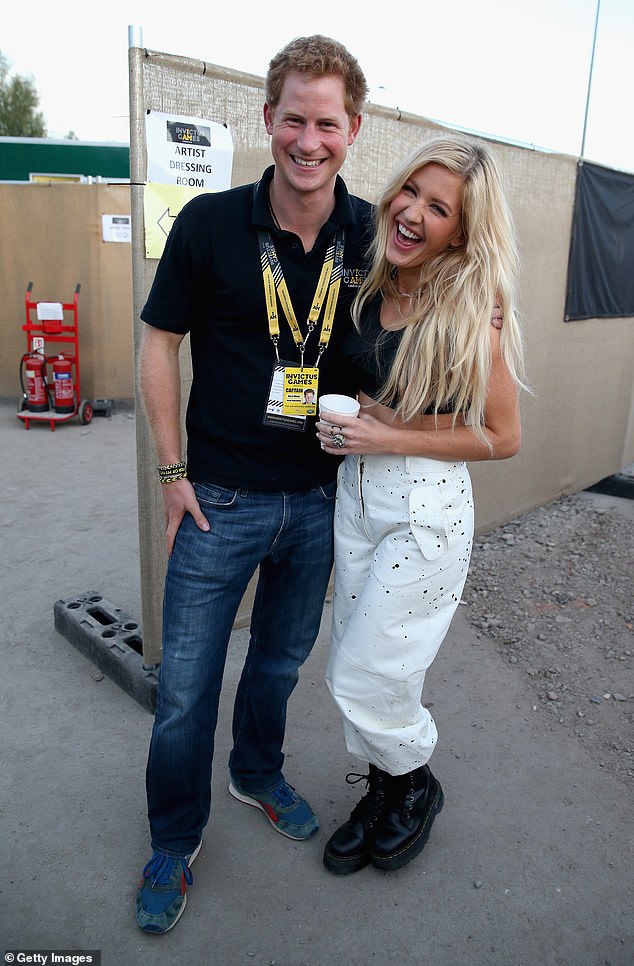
{"x":289,"y":536}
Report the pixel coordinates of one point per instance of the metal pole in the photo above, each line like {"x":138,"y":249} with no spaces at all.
{"x":135,"y":36}
{"x":594,"y":43}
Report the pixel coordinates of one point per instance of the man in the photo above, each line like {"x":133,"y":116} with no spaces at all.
{"x":262,"y":278}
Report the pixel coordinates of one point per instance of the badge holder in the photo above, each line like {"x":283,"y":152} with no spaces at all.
{"x":292,"y":396}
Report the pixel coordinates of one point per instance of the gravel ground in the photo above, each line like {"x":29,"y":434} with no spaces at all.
{"x":552,"y":591}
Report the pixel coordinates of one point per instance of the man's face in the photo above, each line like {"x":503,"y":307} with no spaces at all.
{"x":310,"y":132}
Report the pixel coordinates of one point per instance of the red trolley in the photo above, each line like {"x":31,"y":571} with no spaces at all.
{"x":57,"y":400}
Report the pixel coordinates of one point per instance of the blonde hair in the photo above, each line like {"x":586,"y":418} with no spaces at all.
{"x":444,"y":357}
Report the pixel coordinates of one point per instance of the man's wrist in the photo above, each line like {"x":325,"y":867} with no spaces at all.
{"x":171,"y":472}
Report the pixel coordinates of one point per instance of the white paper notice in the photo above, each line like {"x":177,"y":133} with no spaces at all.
{"x":188,"y":151}
{"x":115,"y":228}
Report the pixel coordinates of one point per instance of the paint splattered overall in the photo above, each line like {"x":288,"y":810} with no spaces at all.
{"x":403,"y":538}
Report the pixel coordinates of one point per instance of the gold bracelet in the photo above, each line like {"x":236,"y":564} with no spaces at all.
{"x":172,"y":472}
{"x":172,"y":479}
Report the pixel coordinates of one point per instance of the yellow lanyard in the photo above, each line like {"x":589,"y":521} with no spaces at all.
{"x":327,"y":288}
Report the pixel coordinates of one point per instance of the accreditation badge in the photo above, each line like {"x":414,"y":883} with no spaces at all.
{"x":292,"y":396}
{"x":300,"y":391}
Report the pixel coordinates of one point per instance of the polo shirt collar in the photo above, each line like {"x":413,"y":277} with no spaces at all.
{"x":342,"y":214}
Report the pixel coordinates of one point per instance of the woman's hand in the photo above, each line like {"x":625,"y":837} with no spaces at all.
{"x":352,"y":434}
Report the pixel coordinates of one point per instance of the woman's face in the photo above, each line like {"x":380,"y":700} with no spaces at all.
{"x":424,"y":218}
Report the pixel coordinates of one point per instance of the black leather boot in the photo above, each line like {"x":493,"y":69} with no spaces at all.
{"x":349,"y":849}
{"x":412,"y":801}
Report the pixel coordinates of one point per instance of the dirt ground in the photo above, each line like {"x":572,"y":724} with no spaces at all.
{"x":553,"y":590}
{"x":529,"y":863}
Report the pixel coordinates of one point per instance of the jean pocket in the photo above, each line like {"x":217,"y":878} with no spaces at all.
{"x":208,"y":494}
{"x":328,"y":491}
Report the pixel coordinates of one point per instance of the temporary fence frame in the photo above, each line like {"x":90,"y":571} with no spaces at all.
{"x":579,"y":422}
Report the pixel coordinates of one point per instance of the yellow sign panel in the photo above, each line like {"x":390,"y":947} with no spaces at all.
{"x":161,"y":204}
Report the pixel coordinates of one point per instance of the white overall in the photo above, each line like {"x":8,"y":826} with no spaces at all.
{"x":403,"y":538}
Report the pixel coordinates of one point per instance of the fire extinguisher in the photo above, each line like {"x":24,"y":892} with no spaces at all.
{"x":36,"y":391}
{"x":63,"y":389}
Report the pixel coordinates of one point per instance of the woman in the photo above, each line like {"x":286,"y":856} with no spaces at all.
{"x":440,"y":379}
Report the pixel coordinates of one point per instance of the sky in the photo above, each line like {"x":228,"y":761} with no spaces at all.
{"x":517,"y":70}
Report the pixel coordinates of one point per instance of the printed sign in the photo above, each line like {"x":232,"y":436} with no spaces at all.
{"x":186,"y":157}
{"x":188,"y":152}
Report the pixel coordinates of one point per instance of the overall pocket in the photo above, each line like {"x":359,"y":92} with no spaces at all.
{"x":441,"y":516}
{"x":428,"y":520}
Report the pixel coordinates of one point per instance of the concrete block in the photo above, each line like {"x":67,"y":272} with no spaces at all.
{"x":102,"y":407}
{"x":110,"y":639}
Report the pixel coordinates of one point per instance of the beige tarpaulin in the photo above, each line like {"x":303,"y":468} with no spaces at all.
{"x":578,"y":425}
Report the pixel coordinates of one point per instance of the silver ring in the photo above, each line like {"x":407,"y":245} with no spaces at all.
{"x":339,"y":440}
{"x":333,"y":433}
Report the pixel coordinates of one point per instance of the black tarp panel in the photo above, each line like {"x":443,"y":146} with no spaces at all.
{"x":601,"y":262}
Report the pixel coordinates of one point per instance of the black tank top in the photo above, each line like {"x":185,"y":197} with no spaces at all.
{"x":371,"y":350}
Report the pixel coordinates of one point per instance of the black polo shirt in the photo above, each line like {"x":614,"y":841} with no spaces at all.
{"x":209,"y":283}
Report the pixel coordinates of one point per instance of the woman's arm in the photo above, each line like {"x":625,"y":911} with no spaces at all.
{"x":379,"y":430}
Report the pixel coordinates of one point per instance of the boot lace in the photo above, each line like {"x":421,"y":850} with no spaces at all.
{"x":408,"y":803}
{"x":408,"y":799}
{"x":371,"y":806}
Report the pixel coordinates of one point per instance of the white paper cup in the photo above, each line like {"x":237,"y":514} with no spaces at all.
{"x":334,"y":404}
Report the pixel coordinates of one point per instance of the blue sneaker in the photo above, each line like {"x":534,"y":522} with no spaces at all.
{"x":289,"y":814}
{"x":161,"y":896}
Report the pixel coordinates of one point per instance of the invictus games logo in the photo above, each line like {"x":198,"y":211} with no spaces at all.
{"x":354,"y":277}
{"x":192,"y":134}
